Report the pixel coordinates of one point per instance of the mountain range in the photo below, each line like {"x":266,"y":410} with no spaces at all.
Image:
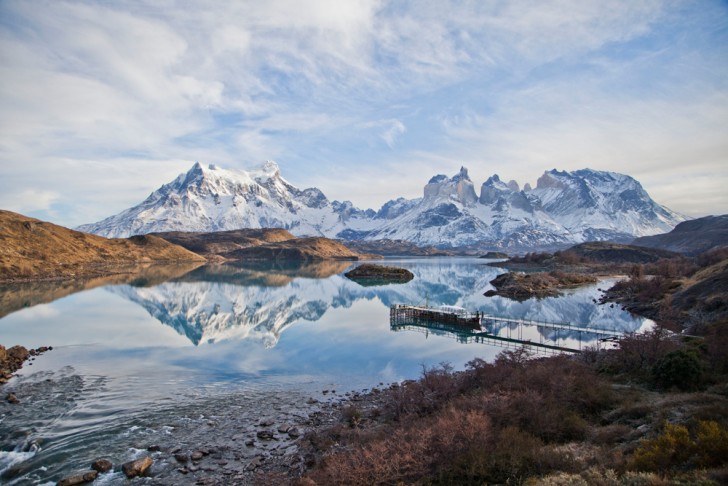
{"x":564,"y":208}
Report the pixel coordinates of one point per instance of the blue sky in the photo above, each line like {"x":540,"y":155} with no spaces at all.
{"x":102,"y":102}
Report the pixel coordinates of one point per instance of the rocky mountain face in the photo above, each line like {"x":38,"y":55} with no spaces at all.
{"x":691,"y":237}
{"x":564,"y":208}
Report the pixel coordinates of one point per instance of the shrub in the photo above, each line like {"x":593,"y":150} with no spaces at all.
{"x":680,"y":369}
{"x":711,"y":444}
{"x":674,"y":448}
{"x":666,"y":451}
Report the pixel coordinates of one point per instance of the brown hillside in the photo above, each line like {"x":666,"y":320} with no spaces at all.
{"x":606,"y":252}
{"x":223,"y":242}
{"x":691,"y":237}
{"x":297,"y":249}
{"x":33,"y":249}
{"x":706,"y":292}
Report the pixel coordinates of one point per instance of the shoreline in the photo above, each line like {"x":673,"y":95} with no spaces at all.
{"x":211,"y":439}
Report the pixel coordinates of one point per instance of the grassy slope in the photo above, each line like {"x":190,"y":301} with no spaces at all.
{"x":313,"y":248}
{"x":34,"y":249}
{"x":221,"y":243}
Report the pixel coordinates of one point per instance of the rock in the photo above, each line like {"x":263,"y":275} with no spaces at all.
{"x":102,"y":465}
{"x":293,"y":432}
{"x":250,"y":442}
{"x":80,"y":478}
{"x":154,"y":448}
{"x":181,"y":457}
{"x":11,"y":398}
{"x":266,"y":422}
{"x":197,"y":455}
{"x":18,"y":353}
{"x":254,"y":463}
{"x":265,"y":434}
{"x":138,"y":467}
{"x":284,"y":428}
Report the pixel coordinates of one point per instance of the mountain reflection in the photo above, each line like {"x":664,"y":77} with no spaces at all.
{"x":259,"y":301}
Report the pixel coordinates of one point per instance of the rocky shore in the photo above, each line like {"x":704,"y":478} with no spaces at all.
{"x":11,"y":360}
{"x":242,"y":437}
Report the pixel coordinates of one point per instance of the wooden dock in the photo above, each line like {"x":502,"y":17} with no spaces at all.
{"x":445,"y":315}
{"x":468,"y":326}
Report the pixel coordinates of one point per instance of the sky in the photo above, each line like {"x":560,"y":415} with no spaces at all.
{"x":103,"y":102}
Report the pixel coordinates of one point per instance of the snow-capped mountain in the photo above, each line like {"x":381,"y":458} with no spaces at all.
{"x":565,"y":208}
{"x":214,"y":199}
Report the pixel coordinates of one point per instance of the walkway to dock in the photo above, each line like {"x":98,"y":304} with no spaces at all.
{"x":468,"y":327}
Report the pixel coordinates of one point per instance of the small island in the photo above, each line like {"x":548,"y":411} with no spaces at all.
{"x":494,"y":255}
{"x":522,"y":286}
{"x":370,"y":274}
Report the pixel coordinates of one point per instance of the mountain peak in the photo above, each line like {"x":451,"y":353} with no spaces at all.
{"x":459,"y":187}
{"x":462,"y":175}
{"x":270,"y":169}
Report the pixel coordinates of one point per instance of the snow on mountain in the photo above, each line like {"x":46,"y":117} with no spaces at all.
{"x":214,"y":199}
{"x":596,"y":205}
{"x":565,"y":208}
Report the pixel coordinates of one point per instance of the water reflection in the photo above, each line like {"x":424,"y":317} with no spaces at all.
{"x":14,"y":297}
{"x":258,"y":301}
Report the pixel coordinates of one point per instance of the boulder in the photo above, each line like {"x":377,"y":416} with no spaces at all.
{"x":102,"y":465}
{"x":80,"y":478}
{"x":138,"y":467}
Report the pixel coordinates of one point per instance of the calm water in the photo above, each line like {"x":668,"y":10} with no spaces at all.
{"x":127,"y":355}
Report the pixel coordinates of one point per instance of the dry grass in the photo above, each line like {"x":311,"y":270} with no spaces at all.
{"x":33,"y":249}
{"x":313,"y":248}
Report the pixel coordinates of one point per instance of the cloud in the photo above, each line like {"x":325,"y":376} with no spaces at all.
{"x":143,"y":89}
{"x":395,"y":129}
{"x":28,"y":199}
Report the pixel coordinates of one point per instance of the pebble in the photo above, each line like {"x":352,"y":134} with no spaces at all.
{"x":11,"y":398}
{"x":197,"y":455}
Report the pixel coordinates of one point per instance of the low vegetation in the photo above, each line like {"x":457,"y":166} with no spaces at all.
{"x":298,"y":249}
{"x":603,"y":417}
{"x":31,"y":250}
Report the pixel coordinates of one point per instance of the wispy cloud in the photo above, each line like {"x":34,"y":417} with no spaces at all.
{"x":147,"y":88}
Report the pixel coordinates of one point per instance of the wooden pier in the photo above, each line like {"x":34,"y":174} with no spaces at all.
{"x":444,"y":315}
{"x":468,"y":327}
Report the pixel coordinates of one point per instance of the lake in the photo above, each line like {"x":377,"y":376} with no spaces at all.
{"x":131,"y":357}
